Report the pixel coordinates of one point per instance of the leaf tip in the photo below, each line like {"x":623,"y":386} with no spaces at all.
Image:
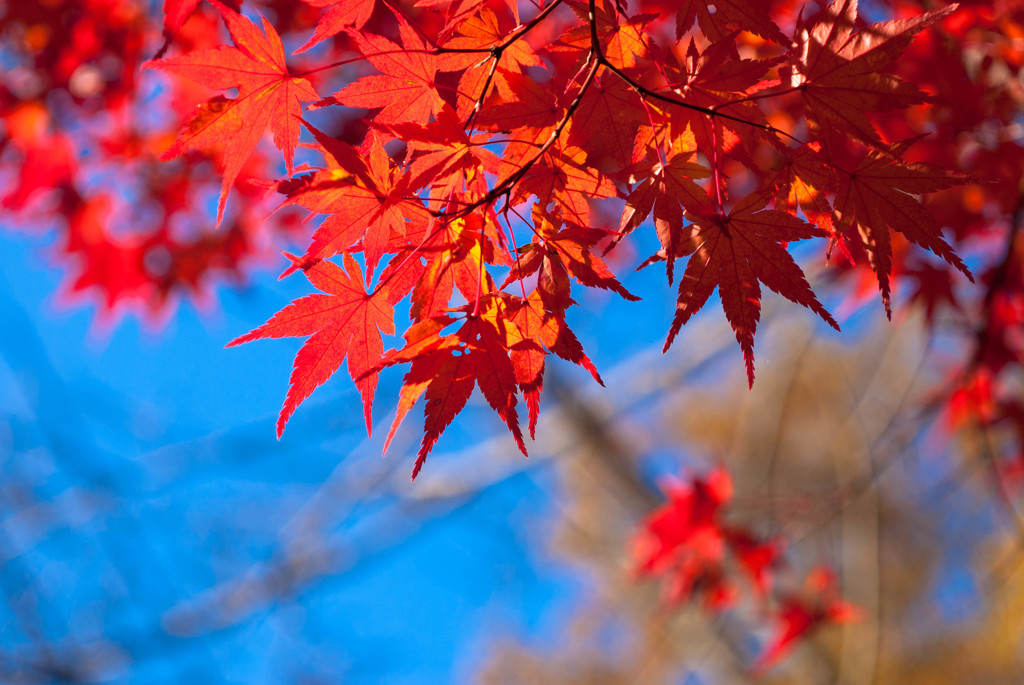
{"x":420,"y":459}
{"x":296,"y":264}
{"x":237,"y":341}
{"x":368,"y":416}
{"x":748,"y":360}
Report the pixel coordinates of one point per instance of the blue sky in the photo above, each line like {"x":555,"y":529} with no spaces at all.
{"x":159,"y":445}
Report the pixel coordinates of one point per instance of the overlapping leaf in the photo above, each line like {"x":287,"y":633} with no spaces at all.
{"x":559,"y":251}
{"x":365,"y":197}
{"x":668,"y":190}
{"x":339,"y":15}
{"x":268,"y":96}
{"x":724,"y":17}
{"x":446,"y":369}
{"x":443,"y":152}
{"x":405,"y":90}
{"x":542,"y":330}
{"x":840,"y":72}
{"x":622,"y":39}
{"x":877,"y":197}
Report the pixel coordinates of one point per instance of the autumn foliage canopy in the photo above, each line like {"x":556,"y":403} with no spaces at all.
{"x":484,"y":159}
{"x":508,"y":127}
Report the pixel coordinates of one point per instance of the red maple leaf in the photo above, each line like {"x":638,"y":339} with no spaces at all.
{"x":177,"y":12}
{"x":623,"y":40}
{"x":735,"y":253}
{"x":562,"y":176}
{"x":799,"y":615}
{"x":877,"y":196}
{"x":345,"y":323}
{"x":756,"y":557}
{"x":606,"y":123}
{"x":684,"y":540}
{"x":405,"y":90}
{"x":443,"y":153}
{"x":456,"y":256}
{"x":717,"y":79}
{"x":268,"y":95}
{"x":485,"y":30}
{"x":524,"y":104}
{"x":340,"y":15}
{"x":668,"y":190}
{"x":727,"y":17}
{"x":541,"y":329}
{"x":840,"y":74}
{"x":365,"y":197}
{"x":803,"y":183}
{"x":446,"y":368}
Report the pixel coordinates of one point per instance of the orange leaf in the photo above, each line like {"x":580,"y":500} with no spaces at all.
{"x":268,"y":95}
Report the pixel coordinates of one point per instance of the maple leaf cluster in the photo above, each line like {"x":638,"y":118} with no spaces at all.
{"x":486,"y":124}
{"x":479,"y":158}
{"x":689,"y":542}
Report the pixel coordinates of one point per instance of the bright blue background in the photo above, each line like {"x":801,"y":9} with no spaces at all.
{"x":153,"y":451}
